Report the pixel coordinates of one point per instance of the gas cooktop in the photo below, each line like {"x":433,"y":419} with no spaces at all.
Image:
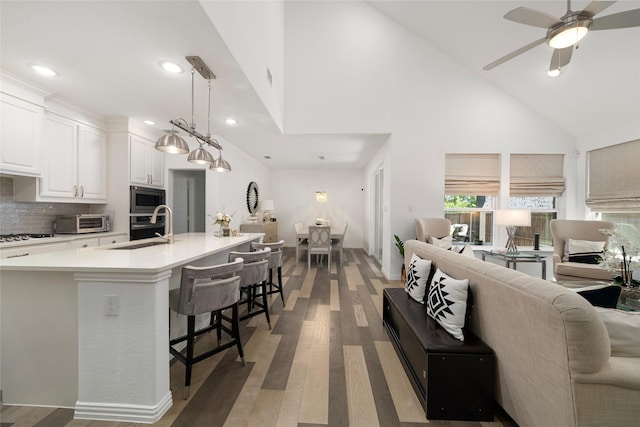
{"x":22,"y":236}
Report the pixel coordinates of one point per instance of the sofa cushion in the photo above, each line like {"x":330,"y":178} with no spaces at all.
{"x":417,"y":277}
{"x":447,"y":302}
{"x":606,"y":296}
{"x":587,"y":271}
{"x":624,"y":331}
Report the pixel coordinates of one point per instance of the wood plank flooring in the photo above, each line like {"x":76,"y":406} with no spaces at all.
{"x":326,"y":362}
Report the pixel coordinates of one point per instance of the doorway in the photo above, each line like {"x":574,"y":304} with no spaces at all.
{"x":189,"y":189}
{"x":378,"y":185}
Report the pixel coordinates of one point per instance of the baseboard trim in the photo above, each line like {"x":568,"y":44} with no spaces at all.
{"x":123,"y":412}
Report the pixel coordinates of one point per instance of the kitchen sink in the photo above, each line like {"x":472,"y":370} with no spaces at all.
{"x":139,"y":245}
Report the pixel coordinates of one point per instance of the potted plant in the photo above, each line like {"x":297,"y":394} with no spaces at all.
{"x":400,"y":246}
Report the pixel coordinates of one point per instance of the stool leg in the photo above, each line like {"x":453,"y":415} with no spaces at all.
{"x":191,"y":327}
{"x":280,"y":285}
{"x":218,"y":324}
{"x":235,"y":329}
{"x":265,"y":303}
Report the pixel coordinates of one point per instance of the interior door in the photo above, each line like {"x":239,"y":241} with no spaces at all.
{"x":183,"y":204}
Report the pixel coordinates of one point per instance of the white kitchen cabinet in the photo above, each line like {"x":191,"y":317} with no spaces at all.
{"x":92,"y":242}
{"x":20,"y":136}
{"x":75,"y":165}
{"x":113,"y":239}
{"x":20,"y":251}
{"x":146,"y":163}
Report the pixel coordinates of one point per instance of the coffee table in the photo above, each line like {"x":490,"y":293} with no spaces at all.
{"x":511,"y":260}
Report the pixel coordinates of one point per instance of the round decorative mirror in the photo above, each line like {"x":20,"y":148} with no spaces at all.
{"x":252,"y":198}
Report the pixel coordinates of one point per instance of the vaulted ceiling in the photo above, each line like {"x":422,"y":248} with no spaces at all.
{"x":107,"y":55}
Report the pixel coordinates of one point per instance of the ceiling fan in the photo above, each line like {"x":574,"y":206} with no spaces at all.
{"x":565,"y":32}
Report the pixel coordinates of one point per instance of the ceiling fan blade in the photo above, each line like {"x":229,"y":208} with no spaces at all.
{"x":560,"y":58}
{"x":596,"y":7}
{"x":513,"y":54}
{"x":630,"y":18}
{"x":524,"y":15}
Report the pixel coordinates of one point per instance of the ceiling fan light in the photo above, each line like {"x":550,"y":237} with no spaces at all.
{"x":172,"y":143}
{"x":200,"y":156}
{"x":553,"y":73}
{"x":568,"y":36}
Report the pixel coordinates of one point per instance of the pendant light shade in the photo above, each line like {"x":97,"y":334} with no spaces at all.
{"x":220,"y":165}
{"x":172,"y":143}
{"x":200,"y":156}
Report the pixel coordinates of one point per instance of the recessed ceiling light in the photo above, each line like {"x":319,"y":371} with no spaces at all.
{"x":231,"y":121}
{"x":41,"y":69}
{"x":149,"y":122}
{"x":171,"y":67}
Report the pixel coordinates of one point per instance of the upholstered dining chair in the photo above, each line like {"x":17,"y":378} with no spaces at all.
{"x":254,"y":276}
{"x":275,"y":263}
{"x":338,"y":243}
{"x":319,"y":243}
{"x":207,"y":290}
{"x":302,"y":243}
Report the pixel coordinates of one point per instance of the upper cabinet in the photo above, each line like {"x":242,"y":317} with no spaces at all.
{"x":20,"y":136}
{"x":146,"y":163}
{"x":74,"y":167}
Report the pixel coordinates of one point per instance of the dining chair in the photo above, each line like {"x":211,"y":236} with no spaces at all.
{"x":302,"y":240}
{"x":319,"y":243}
{"x":275,"y":263}
{"x":337,"y":243}
{"x":207,"y":290}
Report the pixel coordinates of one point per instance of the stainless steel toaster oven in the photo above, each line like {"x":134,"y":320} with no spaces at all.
{"x":83,"y":223}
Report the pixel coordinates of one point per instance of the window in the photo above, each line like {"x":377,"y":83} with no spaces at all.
{"x":535,"y":181}
{"x":471,"y":183}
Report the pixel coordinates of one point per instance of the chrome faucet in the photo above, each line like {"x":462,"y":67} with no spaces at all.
{"x":154,"y":217}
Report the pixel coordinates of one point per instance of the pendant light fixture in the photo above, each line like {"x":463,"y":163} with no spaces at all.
{"x":172,"y":143}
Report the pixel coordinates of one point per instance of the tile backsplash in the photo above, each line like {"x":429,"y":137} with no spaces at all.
{"x":26,"y":217}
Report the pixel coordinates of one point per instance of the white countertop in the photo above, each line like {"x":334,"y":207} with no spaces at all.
{"x":188,"y":247}
{"x":58,"y":238}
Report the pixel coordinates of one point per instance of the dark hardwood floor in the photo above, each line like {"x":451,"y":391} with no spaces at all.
{"x":327,"y":361}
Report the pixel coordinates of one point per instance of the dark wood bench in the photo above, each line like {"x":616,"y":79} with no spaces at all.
{"x":453,"y":379}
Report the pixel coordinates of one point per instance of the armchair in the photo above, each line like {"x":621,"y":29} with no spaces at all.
{"x":432,"y":227}
{"x":564,"y":229}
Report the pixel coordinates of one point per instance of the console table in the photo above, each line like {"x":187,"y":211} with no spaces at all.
{"x":512,"y":260}
{"x":270,"y":230}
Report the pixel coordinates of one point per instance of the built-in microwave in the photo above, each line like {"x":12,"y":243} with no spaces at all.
{"x":145,"y":200}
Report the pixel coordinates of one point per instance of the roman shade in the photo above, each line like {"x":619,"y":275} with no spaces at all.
{"x":472,"y":174}
{"x":613,"y":177}
{"x":537,"y":175}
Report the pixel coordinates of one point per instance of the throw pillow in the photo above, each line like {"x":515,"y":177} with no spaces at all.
{"x":606,"y":296}
{"x":417,"y":277}
{"x":447,"y":302}
{"x":583,"y":251}
{"x":467,"y":251}
{"x":624,"y":331}
{"x":444,"y":243}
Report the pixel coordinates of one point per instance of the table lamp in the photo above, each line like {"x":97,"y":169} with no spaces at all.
{"x":510,"y":219}
{"x":267,"y":210}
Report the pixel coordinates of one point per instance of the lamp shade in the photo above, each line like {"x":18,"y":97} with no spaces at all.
{"x":267,"y":205}
{"x":172,"y":143}
{"x":513,"y":217}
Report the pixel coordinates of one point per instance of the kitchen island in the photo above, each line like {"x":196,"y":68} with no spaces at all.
{"x":88,"y":328}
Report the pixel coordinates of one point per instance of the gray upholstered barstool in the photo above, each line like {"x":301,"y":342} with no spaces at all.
{"x":275,"y":262}
{"x":207,"y":290}
{"x":254,"y":275}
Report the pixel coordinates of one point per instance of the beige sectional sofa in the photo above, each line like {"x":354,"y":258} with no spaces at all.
{"x":553,"y":361}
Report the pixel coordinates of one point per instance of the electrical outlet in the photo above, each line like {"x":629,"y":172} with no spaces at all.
{"x":111,"y":305}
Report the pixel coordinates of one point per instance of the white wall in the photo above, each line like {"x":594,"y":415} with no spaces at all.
{"x":294,"y":191}
{"x":370,"y":74}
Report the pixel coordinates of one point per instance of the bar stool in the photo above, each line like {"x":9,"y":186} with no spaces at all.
{"x":207,"y":290}
{"x":275,"y":262}
{"x":254,"y":275}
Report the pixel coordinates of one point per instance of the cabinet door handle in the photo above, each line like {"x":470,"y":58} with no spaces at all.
{"x":75,"y":190}
{"x":18,"y":255}
{"x":82,"y":191}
